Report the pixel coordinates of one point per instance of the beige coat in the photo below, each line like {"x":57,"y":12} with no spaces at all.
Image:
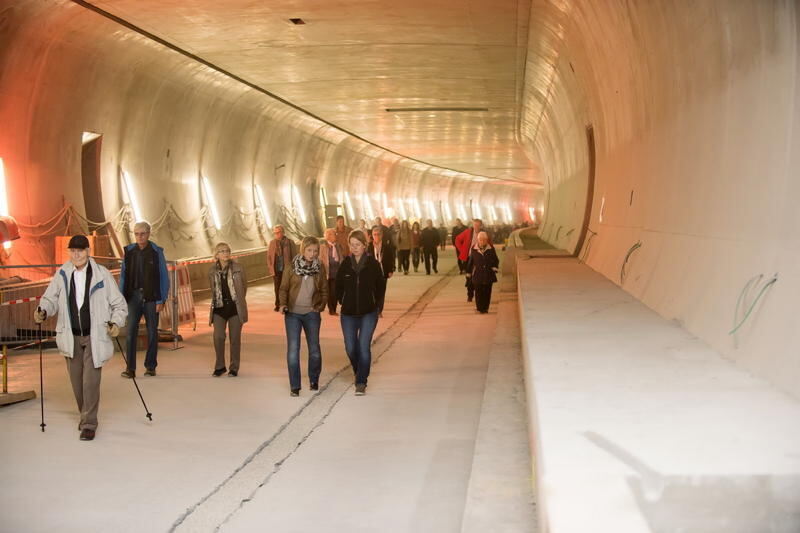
{"x":239,"y":284}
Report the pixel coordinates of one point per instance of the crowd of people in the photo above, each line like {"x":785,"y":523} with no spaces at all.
{"x":346,"y":272}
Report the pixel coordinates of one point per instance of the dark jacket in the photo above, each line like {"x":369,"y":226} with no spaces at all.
{"x":154,"y":267}
{"x":387,"y":258}
{"x":358,"y":292}
{"x":431,"y":238}
{"x":482,"y":265}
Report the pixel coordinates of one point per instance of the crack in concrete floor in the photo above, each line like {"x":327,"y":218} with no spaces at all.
{"x":224,"y":500}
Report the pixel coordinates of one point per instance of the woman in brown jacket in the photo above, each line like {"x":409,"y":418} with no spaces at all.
{"x":228,"y":306}
{"x":303,"y":295}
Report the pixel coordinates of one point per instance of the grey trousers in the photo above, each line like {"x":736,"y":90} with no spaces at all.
{"x":235,"y":329}
{"x":85,"y":379}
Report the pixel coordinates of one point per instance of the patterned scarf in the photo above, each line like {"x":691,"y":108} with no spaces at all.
{"x":302,"y":268}
{"x":218,"y":285}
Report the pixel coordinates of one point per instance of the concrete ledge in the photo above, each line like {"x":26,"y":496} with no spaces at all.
{"x":638,"y":426}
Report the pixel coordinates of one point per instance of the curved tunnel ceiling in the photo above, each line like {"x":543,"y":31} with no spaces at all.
{"x":439,"y":81}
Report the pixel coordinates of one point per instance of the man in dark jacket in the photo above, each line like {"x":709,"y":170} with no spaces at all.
{"x":430,"y":240}
{"x":144,"y":282}
{"x":382,"y":249}
{"x":457,"y":229}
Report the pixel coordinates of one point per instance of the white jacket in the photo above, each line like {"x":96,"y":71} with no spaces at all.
{"x":106,"y":304}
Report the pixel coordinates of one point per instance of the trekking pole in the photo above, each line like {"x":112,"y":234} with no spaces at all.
{"x":41,"y":374}
{"x":146,"y":410}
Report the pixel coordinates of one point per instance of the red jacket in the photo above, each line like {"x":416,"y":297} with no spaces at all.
{"x":464,"y":242}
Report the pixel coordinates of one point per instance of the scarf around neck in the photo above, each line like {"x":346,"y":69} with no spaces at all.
{"x":302,"y":268}
{"x":218,"y":285}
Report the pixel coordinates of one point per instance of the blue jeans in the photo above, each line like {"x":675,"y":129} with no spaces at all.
{"x":309,"y":323}
{"x":136,"y":308}
{"x":358,"y":332}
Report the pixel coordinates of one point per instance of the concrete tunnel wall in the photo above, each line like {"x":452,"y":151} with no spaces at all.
{"x":166,"y":119}
{"x":694,"y":107}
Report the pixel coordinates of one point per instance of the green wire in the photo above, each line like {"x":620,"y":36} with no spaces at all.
{"x":755,"y":302}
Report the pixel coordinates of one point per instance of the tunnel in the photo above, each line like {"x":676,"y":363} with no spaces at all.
{"x":639,"y":367}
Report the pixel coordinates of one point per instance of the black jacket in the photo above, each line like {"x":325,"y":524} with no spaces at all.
{"x":359,"y":292}
{"x":431,"y":238}
{"x":480,"y":265}
{"x":388,"y":257}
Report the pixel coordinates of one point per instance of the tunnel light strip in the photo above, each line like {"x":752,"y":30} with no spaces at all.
{"x":476,"y":210}
{"x":385,"y":200}
{"x":349,"y":205}
{"x":402,"y":206}
{"x":299,"y":203}
{"x":417,"y":209}
{"x":493,"y":213}
{"x":447,"y":211}
{"x":212,"y":204}
{"x":262,"y":204}
{"x":323,"y":198}
{"x":137,"y":213}
{"x":431,"y":210}
{"x":4,"y":210}
{"x":532,"y":214}
{"x":369,"y":213}
{"x":509,"y":216}
{"x":462,"y":213}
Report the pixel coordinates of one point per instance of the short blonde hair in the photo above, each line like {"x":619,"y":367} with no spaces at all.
{"x":329,"y":231}
{"x":220,"y":245}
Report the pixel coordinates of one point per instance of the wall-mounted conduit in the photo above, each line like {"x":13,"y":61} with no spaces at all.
{"x":585,"y":253}
{"x":748,"y":286}
{"x":622,"y":272}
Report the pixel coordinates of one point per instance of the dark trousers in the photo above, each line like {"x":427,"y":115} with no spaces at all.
{"x":332,"y":295}
{"x":137,"y":307}
{"x":234,"y":325}
{"x":470,"y":289}
{"x":85,"y":380}
{"x":381,"y":295}
{"x":309,"y":323}
{"x":402,"y":259}
{"x":276,"y":280}
{"x":415,"y":258}
{"x":358,"y":332}
{"x":431,"y":255}
{"x":483,"y":297}
{"x":462,"y":265}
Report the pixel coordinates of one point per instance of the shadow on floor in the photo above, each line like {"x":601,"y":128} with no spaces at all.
{"x":702,"y":504}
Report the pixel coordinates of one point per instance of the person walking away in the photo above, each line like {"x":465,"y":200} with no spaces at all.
{"x":430,"y":247}
{"x":403,"y":246}
{"x":280,"y":253}
{"x":416,"y":245}
{"x":228,"y":284}
{"x":482,"y":269}
{"x":90,"y":309}
{"x":331,"y":255}
{"x":304,"y":294}
{"x":394,"y":232}
{"x":342,"y":234}
{"x":144,"y":283}
{"x":359,"y":283}
{"x":443,"y":236}
{"x":465,"y":241}
{"x":456,"y":231}
{"x":382,"y":250}
{"x":362,"y":227}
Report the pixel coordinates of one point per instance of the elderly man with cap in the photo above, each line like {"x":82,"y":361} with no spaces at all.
{"x":90,"y":310}
{"x":144,"y":282}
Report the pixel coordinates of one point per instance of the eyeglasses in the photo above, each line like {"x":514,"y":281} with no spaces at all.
{"x":223,"y":251}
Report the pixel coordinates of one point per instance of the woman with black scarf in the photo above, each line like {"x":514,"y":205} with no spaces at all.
{"x":228,"y":307}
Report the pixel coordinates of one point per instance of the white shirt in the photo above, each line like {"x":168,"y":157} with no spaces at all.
{"x":80,"y":285}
